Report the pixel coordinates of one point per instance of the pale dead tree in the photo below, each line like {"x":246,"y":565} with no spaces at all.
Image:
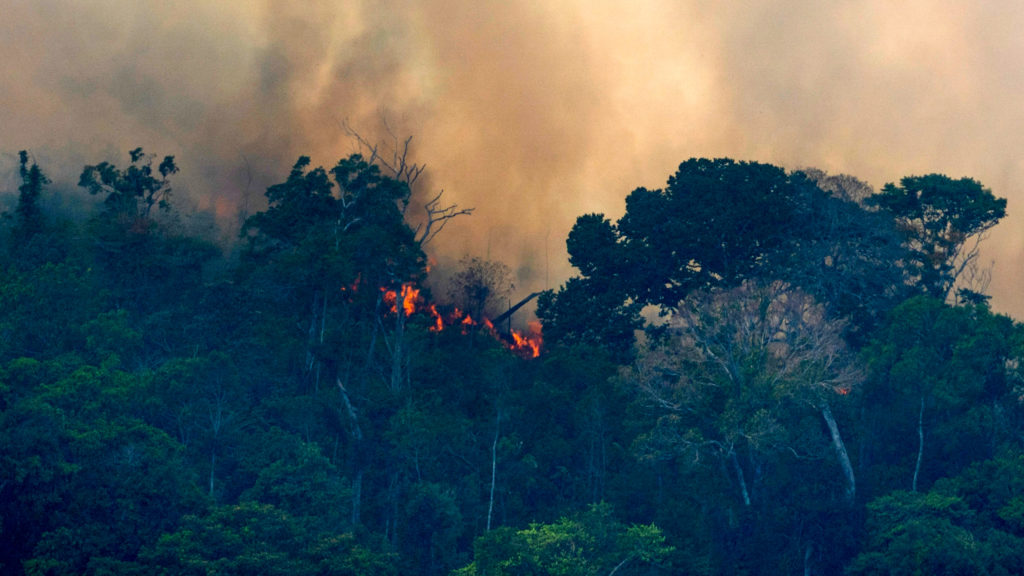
{"x":356,"y":432}
{"x":393,"y":158}
{"x":840,"y":185}
{"x":736,"y":365}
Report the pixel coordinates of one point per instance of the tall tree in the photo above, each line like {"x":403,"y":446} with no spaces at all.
{"x":941,"y":372}
{"x":29,"y":219}
{"x":133,"y":192}
{"x":733,"y":369}
{"x":145,"y":263}
{"x":590,"y":543}
{"x":328,"y":247}
{"x":943,"y":222}
{"x":720,"y":222}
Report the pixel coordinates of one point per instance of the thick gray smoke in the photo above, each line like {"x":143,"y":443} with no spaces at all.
{"x":532,"y":112}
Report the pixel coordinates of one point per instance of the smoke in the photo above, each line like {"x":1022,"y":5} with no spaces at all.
{"x":532,"y":112}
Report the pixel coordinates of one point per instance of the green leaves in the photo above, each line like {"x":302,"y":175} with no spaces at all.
{"x":587,"y":544}
{"x":942,"y":221}
{"x":131,"y":193}
{"x":253,"y":538}
{"x":967,"y":524}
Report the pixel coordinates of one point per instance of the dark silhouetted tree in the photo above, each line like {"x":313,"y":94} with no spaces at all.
{"x":943,"y":221}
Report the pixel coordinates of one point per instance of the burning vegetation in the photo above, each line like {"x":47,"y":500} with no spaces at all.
{"x":409,"y":301}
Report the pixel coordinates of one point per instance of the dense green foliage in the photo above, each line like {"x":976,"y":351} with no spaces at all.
{"x":805,"y":404}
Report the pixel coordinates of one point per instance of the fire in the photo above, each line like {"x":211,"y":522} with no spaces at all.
{"x":530,"y":342}
{"x":527,"y":344}
{"x":409,"y":295}
{"x":438,"y":321}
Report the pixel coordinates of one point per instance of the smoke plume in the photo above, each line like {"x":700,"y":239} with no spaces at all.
{"x":532,"y":112}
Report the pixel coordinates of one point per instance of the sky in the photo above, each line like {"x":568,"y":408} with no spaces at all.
{"x":530,"y":112}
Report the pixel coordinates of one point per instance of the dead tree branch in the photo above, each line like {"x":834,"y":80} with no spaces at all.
{"x":395,"y":160}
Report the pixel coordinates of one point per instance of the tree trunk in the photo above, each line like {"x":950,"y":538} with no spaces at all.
{"x":397,"y":353}
{"x":357,"y":496}
{"x":357,"y":457}
{"x":213,"y":467}
{"x":311,"y":333}
{"x":808,"y":553}
{"x":739,"y":476}
{"x":494,"y":469}
{"x":920,"y":445}
{"x":323,"y":328}
{"x":841,"y":453}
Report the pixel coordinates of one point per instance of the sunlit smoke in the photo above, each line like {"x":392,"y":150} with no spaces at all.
{"x":531,"y":112}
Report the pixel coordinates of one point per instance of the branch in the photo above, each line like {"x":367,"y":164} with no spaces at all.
{"x":398,"y":166}
{"x":439,"y":217}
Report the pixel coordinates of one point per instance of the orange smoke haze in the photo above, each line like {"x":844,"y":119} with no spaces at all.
{"x":531,"y":112}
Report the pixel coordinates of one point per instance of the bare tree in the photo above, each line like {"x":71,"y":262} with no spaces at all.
{"x":734,"y":366}
{"x":480,"y":287}
{"x":393,"y":156}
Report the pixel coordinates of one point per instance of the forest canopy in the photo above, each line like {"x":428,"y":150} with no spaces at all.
{"x":820,"y":388}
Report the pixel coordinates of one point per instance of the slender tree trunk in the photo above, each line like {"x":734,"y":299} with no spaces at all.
{"x":808,"y":553}
{"x":740,"y":477}
{"x":373,"y":335}
{"x":494,"y":469}
{"x":311,"y":333}
{"x":357,"y":457}
{"x":841,"y":453}
{"x":323,"y":328}
{"x":920,"y":445}
{"x":213,"y":467}
{"x":621,"y":564}
{"x":357,"y":496}
{"x":397,"y":353}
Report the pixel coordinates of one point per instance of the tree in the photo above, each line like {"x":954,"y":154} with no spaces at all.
{"x":328,"y":248}
{"x":849,"y":263}
{"x":146,"y":264}
{"x":943,"y":222}
{"x":131,"y":193}
{"x":480,"y":287}
{"x":28,"y":214}
{"x":941,"y":372}
{"x":252,"y":538}
{"x":970,"y":523}
{"x":735,"y":364}
{"x":582,"y":313}
{"x":719,"y":223}
{"x":393,"y":158}
{"x":87,"y":478}
{"x":322,"y":232}
{"x":913,"y":533}
{"x":586,"y":544}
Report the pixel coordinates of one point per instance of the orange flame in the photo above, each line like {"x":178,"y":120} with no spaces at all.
{"x":527,"y":344}
{"x":530,"y":342}
{"x":409,"y":296}
{"x":438,"y":321}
